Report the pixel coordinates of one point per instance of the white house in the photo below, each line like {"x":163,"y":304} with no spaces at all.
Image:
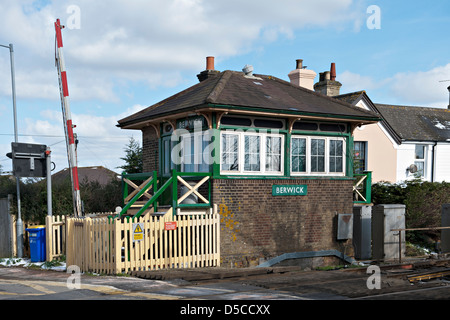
{"x":408,"y":142}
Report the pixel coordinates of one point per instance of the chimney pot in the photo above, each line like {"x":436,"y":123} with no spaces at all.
{"x":333,"y":72}
{"x":209,"y":63}
{"x":299,"y":63}
{"x":210,"y":72}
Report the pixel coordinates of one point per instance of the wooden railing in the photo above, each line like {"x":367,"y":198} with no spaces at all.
{"x":362,"y":189}
{"x":153,"y":188}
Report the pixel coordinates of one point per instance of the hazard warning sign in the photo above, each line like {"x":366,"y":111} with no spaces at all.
{"x":138,"y":232}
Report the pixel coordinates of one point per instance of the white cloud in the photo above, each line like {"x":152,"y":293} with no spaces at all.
{"x":422,"y":87}
{"x":355,"y":82}
{"x":100,"y":141}
{"x":152,"y":41}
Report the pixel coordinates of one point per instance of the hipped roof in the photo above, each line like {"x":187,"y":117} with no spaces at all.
{"x":235,"y":90}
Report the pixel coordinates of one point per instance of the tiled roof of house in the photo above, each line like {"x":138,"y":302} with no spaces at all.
{"x":87,"y":174}
{"x":235,"y":90}
{"x":417,"y":123}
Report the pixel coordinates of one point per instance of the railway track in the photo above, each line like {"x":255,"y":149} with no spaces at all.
{"x":420,"y":280}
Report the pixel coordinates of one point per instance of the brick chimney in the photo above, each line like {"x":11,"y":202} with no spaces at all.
{"x":302,"y":77}
{"x":209,"y":72}
{"x":327,"y":84}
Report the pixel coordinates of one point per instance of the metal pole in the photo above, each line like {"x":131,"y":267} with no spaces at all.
{"x":19,"y":223}
{"x":16,"y":138}
{"x":49,"y":182}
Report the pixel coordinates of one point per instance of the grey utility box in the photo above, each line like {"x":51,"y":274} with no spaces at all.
{"x":362,"y":231}
{"x":385,"y":242}
{"x":445,"y":233}
{"x":345,"y":226}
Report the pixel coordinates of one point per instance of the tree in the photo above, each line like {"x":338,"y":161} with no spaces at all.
{"x":133,"y":157}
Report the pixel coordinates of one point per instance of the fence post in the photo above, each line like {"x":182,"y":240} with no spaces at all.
{"x":117,"y":246}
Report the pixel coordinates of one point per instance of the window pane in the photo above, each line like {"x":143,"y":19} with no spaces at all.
{"x":166,"y":154}
{"x":230,"y":154}
{"x":273,"y":154}
{"x":252,"y":153}
{"x":262,"y":123}
{"x":336,"y":153}
{"x":298,"y":159}
{"x":203,"y":155}
{"x":420,"y":152}
{"x":420,"y":168}
{"x":188,"y":154}
{"x":359,"y":156}
{"x":317,"y":155}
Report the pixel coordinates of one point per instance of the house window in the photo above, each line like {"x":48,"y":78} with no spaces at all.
{"x":419,"y":161}
{"x":359,"y":156}
{"x":251,"y":152}
{"x":317,"y":156}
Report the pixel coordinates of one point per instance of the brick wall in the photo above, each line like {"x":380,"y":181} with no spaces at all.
{"x":256,"y":225}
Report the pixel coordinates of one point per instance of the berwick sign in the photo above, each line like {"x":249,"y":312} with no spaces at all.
{"x":290,"y":190}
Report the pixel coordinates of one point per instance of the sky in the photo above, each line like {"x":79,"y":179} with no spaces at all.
{"x":123,"y":56}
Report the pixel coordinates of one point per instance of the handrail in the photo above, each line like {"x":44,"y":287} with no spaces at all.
{"x":153,"y":199}
{"x":150,"y":183}
{"x":157,"y":192}
{"x":365,"y":181}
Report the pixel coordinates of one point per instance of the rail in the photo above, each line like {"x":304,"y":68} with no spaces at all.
{"x":159,"y":187}
{"x":412,"y":229}
{"x":362,"y":189}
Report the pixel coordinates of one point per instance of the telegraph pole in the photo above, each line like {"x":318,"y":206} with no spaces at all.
{"x":19,"y":223}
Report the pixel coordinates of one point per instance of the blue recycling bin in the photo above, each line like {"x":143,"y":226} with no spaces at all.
{"x":36,"y":235}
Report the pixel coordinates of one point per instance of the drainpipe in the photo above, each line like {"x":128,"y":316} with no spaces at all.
{"x":433,"y":161}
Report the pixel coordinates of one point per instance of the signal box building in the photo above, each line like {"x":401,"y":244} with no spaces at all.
{"x":279,"y":157}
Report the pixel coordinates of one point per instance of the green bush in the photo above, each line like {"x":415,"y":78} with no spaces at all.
{"x":33,"y":197}
{"x":423,"y":201}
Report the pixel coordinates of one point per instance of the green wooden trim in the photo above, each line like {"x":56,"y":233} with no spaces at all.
{"x":349,"y":157}
{"x":174,"y":191}
{"x":261,"y":177}
{"x":136,"y":197}
{"x":137,"y":176}
{"x":253,"y":129}
{"x":153,"y":198}
{"x":298,"y":113}
{"x":287,"y":155}
{"x":194,"y":205}
{"x":367,"y":187}
{"x":320,"y":133}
